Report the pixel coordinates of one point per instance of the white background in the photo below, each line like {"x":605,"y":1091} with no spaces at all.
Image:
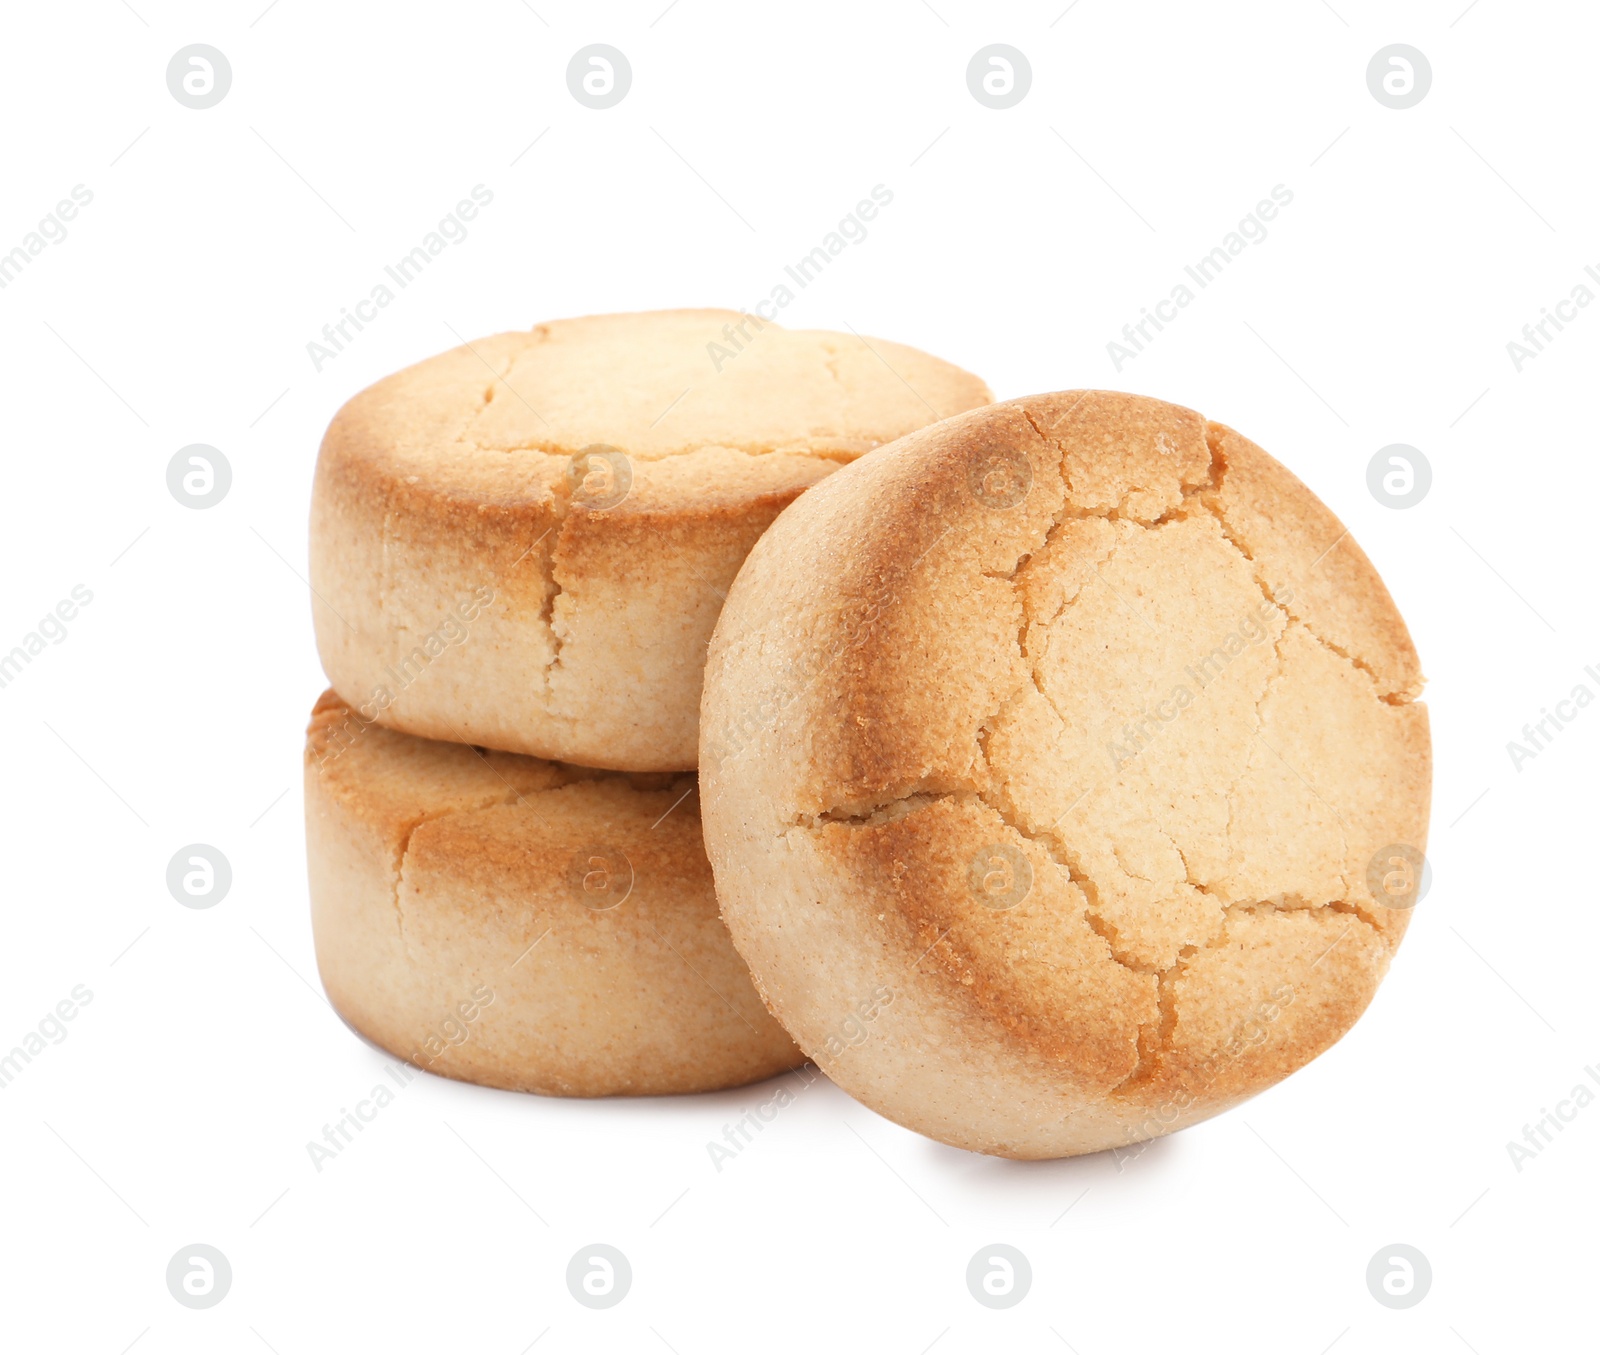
{"x":178,"y":310}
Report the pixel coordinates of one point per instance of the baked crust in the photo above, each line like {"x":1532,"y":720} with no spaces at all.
{"x":523,"y":924}
{"x":1079,"y":733}
{"x":470,"y":583}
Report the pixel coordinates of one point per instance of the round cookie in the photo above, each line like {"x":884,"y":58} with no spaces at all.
{"x":524,"y":542}
{"x":524,"y":924}
{"x":1074,"y":740}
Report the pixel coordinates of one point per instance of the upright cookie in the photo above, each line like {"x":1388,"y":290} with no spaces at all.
{"x":1075,"y":740}
{"x":524,"y":542}
{"x":523,"y":924}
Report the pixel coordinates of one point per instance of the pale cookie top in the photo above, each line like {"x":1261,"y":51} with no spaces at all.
{"x":485,"y":419}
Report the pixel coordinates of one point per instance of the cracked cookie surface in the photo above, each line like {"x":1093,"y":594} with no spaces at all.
{"x":453,"y":894}
{"x":1094,"y":644}
{"x":450,"y":488}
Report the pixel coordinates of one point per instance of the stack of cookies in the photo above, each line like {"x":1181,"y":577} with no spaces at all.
{"x":1063,"y":776}
{"x":519,"y":549}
